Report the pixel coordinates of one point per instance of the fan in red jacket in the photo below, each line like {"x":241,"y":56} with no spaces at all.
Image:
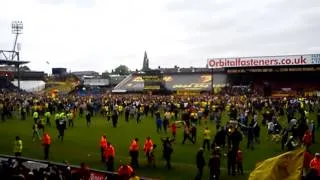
{"x":125,"y":172}
{"x":307,"y":139}
{"x":315,"y":163}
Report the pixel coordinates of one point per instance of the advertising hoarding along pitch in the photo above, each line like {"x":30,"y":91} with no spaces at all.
{"x":290,"y":60}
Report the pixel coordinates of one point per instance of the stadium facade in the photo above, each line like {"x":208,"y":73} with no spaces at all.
{"x":285,"y":75}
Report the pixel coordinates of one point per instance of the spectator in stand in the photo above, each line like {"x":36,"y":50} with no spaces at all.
{"x":17,"y":149}
{"x":124,"y":172}
{"x":315,"y":163}
{"x":13,"y":169}
{"x":84,"y":172}
{"x":307,"y":139}
{"x":134,"y":176}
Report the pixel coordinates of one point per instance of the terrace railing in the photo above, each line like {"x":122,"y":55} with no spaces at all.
{"x":95,"y":174}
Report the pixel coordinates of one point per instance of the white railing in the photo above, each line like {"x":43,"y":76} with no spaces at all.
{"x":123,"y":82}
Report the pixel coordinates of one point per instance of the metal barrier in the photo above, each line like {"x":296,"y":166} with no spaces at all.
{"x":95,"y":174}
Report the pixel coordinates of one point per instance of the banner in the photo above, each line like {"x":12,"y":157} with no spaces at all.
{"x":188,"y":93}
{"x":152,"y":87}
{"x":264,"y":61}
{"x":285,"y":166}
{"x":94,"y":175}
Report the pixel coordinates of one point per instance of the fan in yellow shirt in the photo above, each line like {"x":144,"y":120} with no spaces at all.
{"x":134,"y":177}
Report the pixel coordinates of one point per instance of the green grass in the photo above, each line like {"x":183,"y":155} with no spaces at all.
{"x":81,"y":141}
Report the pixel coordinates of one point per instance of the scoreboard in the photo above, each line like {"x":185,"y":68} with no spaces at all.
{"x":153,"y":81}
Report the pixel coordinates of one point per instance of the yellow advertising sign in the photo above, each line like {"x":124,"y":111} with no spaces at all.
{"x":187,"y":93}
{"x":138,"y":79}
{"x":191,"y":86}
{"x":152,"y":87}
{"x":167,"y":78}
{"x":152,"y":78}
{"x":205,"y":78}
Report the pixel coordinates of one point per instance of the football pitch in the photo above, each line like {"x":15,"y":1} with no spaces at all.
{"x":81,"y":144}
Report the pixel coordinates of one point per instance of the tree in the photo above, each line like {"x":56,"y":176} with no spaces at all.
{"x":122,"y":70}
{"x":105,"y":74}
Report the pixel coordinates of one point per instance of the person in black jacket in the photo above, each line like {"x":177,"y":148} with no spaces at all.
{"x":220,"y":138}
{"x":214,"y":164}
{"x":126,"y":113}
{"x":88,"y":118}
{"x":114,"y":118}
{"x":236,"y":138}
{"x":167,"y":150}
{"x":61,"y":128}
{"x":318,"y":119}
{"x":284,"y":138}
{"x":200,"y":164}
{"x":231,"y":161}
{"x":250,"y":137}
{"x":193,"y":132}
{"x":233,"y":113}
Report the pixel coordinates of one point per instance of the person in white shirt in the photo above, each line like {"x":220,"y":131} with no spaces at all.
{"x":270,"y":127}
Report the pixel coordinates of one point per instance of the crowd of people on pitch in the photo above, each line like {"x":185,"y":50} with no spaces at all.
{"x":187,"y":111}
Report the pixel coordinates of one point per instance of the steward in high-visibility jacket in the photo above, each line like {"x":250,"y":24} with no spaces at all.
{"x":46,"y":141}
{"x":103,"y":146}
{"x":17,"y":149}
{"x":57,"y":119}
{"x":125,"y":172}
{"x":148,"y":145}
{"x":109,"y":154}
{"x":35,"y":116}
{"x":47,"y":115}
{"x":70,"y":119}
{"x":134,"y":153}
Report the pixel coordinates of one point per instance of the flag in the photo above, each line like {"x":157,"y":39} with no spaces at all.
{"x":287,"y":166}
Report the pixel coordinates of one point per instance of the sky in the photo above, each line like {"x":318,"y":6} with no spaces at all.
{"x":99,"y":35}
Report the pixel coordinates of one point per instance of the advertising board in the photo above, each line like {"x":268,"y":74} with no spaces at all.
{"x":264,"y":61}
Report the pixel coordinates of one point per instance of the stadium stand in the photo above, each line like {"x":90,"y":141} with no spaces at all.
{"x":23,"y":168}
{"x":175,"y":81}
{"x":6,"y":85}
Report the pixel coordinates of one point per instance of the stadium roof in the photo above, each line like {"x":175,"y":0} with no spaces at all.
{"x":6,"y":62}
